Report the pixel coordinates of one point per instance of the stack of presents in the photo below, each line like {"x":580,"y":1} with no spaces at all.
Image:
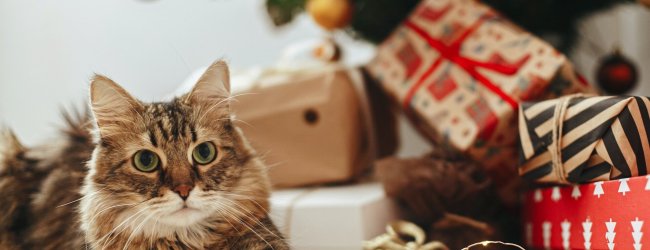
{"x":524,"y":149}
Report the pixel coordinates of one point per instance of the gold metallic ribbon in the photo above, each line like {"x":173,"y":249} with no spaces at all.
{"x":391,"y":240}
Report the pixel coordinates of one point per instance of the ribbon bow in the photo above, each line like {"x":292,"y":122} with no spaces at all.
{"x":391,"y":240}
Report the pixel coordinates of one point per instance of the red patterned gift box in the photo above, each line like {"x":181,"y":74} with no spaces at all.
{"x":459,"y":71}
{"x":601,"y":215}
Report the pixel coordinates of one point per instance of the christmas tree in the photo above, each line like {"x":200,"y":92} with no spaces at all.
{"x":374,"y":20}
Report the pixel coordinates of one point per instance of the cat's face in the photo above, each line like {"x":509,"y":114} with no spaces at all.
{"x":175,"y":164}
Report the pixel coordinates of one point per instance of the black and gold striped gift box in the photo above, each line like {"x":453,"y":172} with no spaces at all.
{"x":579,"y":139}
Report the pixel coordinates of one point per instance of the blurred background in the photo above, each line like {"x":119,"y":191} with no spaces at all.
{"x":49,"y":50}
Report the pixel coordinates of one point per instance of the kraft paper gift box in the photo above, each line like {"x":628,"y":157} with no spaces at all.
{"x":311,"y":123}
{"x":601,"y":215}
{"x":579,"y":139}
{"x":340,"y":217}
{"x":459,"y":71}
{"x":311,"y":126}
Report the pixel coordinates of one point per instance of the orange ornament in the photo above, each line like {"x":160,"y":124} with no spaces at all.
{"x":645,"y":2}
{"x":330,"y":14}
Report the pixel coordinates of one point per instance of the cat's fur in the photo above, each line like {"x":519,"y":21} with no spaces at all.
{"x":81,"y":192}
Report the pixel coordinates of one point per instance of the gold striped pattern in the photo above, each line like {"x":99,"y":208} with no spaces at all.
{"x":603,"y":138}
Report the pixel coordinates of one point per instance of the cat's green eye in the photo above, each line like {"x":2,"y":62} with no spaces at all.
{"x":145,"y":160}
{"x":204,"y":153}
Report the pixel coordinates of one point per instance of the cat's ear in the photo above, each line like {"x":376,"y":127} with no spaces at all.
{"x":112,"y":105}
{"x":214,"y":84}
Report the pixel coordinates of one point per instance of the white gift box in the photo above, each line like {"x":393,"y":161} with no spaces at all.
{"x":340,"y":217}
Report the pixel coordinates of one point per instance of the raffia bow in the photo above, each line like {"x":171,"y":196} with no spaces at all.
{"x":392,"y":240}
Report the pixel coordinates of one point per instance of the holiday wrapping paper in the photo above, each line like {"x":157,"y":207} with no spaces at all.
{"x":602,"y":215}
{"x":577,"y":139}
{"x":459,"y":71}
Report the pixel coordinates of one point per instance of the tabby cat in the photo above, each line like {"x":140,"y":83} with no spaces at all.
{"x":168,"y":175}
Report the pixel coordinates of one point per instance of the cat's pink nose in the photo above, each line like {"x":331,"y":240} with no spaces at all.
{"x":183,"y":190}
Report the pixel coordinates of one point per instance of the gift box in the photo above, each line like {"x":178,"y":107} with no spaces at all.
{"x":312,"y":118}
{"x":579,"y":139}
{"x":339,"y":217}
{"x":311,"y":126}
{"x":600,"y":215}
{"x":459,"y":71}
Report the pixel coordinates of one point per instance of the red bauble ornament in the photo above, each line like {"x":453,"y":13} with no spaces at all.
{"x":616,"y":74}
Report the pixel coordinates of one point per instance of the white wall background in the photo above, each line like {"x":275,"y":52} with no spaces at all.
{"x":49,"y":50}
{"x":627,"y":27}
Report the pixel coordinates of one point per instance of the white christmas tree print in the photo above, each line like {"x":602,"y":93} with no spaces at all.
{"x":575,"y":193}
{"x":636,"y":233}
{"x":647,"y":184}
{"x":599,"y":189}
{"x":610,"y":234}
{"x":538,"y":195}
{"x":623,"y":187}
{"x":555,"y":194}
{"x":566,"y":234}
{"x":586,"y":233}
{"x":546,"y":234}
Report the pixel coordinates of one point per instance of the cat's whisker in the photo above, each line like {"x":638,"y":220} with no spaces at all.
{"x":112,"y":232}
{"x":151,"y":236}
{"x":243,"y":193}
{"x":237,"y":120}
{"x":243,"y":196}
{"x":83,"y":196}
{"x":232,"y":97}
{"x":263,"y":157}
{"x":68,"y":203}
{"x":124,"y":227}
{"x":270,"y":166}
{"x":137,"y":228}
{"x":106,"y":209}
{"x":227,"y":210}
{"x":114,"y":236}
{"x":219,"y":210}
{"x":247,"y":198}
{"x":213,"y":106}
{"x":251,"y":216}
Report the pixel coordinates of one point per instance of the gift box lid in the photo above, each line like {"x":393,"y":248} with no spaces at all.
{"x":340,"y":217}
{"x":345,"y":196}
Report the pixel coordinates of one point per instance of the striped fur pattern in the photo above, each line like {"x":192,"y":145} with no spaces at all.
{"x":36,"y":182}
{"x":86,"y":192}
{"x":603,"y":138}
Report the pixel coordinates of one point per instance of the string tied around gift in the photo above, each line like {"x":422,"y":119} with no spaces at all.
{"x":308,"y":73}
{"x":369,"y":148}
{"x":555,"y":147}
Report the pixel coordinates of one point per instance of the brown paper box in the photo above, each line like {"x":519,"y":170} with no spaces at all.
{"x":308,"y":126}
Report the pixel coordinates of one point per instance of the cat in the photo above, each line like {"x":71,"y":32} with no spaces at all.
{"x":166,"y":175}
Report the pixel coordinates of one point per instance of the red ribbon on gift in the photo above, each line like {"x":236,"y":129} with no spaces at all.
{"x":452,"y":53}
